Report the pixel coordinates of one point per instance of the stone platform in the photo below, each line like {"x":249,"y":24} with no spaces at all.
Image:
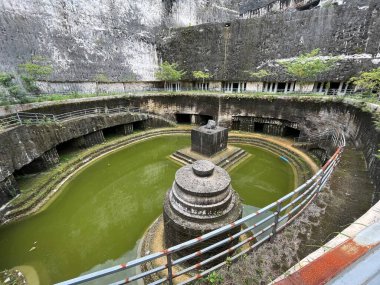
{"x":226,"y":158}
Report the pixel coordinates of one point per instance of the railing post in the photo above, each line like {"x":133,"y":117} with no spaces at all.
{"x":276,"y":218}
{"x":170,"y":268}
{"x":18,"y":118}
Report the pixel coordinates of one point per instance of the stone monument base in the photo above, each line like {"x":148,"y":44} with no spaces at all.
{"x":232,"y":155}
{"x":153,"y":241}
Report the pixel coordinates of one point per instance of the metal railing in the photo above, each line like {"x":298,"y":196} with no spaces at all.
{"x":25,"y":118}
{"x":259,"y":227}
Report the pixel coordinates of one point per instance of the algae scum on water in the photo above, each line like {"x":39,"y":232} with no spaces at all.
{"x":103,"y":211}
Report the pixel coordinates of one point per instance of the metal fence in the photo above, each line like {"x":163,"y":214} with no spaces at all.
{"x":25,"y":118}
{"x":259,"y":227}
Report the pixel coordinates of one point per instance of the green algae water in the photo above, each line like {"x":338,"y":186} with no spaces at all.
{"x":103,"y":211}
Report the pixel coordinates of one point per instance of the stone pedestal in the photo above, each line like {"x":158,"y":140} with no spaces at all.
{"x":200,"y":200}
{"x":209,"y":140}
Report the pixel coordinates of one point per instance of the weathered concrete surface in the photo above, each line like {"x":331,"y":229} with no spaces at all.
{"x":8,"y":189}
{"x":89,"y":140}
{"x":22,"y":145}
{"x":309,"y":115}
{"x":84,"y":39}
{"x":229,"y":51}
{"x":47,"y":160}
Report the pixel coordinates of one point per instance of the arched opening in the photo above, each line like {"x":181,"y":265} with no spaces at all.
{"x":291,"y":132}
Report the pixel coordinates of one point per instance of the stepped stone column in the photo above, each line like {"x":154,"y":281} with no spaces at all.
{"x":200,"y":200}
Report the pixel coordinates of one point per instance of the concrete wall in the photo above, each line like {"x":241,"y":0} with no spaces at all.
{"x":310,"y":115}
{"x":22,"y":145}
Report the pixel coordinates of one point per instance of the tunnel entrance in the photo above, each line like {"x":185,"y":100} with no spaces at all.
{"x":110,"y":132}
{"x":291,"y":132}
{"x":334,"y":87}
{"x":258,"y":127}
{"x":235,"y":87}
{"x":281,"y":86}
{"x":183,"y":118}
{"x":203,"y":119}
{"x":139,"y":125}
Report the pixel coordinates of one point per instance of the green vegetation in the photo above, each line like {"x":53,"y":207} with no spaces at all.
{"x":369,"y":81}
{"x":201,"y":75}
{"x":10,"y":91}
{"x":260,"y":74}
{"x":6,"y":79}
{"x":168,"y":72}
{"x":101,"y":77}
{"x":213,"y":278}
{"x":308,"y":66}
{"x":30,"y":71}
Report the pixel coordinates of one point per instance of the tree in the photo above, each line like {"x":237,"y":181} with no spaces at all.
{"x":201,"y":75}
{"x":260,"y":74}
{"x":36,"y":68}
{"x":168,"y":72}
{"x":308,"y":66}
{"x":369,"y":80}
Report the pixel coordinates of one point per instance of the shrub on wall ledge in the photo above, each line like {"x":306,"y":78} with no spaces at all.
{"x":168,"y":72}
{"x":369,"y":80}
{"x":308,"y":66}
{"x":30,"y":71}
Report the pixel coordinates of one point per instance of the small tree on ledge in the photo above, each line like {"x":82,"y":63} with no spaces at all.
{"x":201,"y":75}
{"x":308,"y":66}
{"x":369,"y":80}
{"x":260,"y":74}
{"x":168,"y":72}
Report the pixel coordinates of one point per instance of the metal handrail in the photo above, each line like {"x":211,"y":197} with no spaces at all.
{"x":26,"y":118}
{"x":280,"y":215}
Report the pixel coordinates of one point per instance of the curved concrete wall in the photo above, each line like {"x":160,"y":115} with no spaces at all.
{"x":311,"y":115}
{"x":23,"y":144}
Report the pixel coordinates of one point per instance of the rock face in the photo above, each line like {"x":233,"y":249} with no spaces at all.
{"x":209,"y":141}
{"x":200,"y":200}
{"x":88,"y":39}
{"x":229,"y":50}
